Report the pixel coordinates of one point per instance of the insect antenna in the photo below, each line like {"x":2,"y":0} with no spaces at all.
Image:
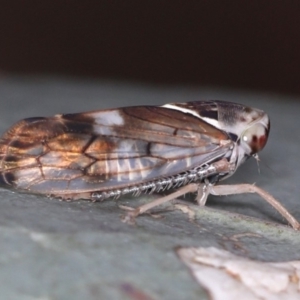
{"x":256,"y":157}
{"x":258,"y":160}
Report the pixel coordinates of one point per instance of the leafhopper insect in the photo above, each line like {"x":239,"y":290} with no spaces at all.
{"x":132,"y":150}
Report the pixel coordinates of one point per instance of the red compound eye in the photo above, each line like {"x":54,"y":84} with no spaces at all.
{"x":262,"y":141}
{"x":256,"y":137}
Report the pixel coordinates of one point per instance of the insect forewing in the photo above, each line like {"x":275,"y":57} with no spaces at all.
{"x":105,"y":150}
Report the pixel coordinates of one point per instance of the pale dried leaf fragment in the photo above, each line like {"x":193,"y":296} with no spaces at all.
{"x":227,"y":276}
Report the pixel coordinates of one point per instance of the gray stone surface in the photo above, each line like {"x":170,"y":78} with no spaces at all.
{"x":50,"y":249}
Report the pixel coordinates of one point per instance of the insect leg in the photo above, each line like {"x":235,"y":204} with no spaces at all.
{"x":203,"y":190}
{"x":131,"y":215}
{"x":222,"y":190}
{"x":202,"y":193}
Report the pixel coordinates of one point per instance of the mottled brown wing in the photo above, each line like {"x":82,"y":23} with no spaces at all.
{"x":104,"y":150}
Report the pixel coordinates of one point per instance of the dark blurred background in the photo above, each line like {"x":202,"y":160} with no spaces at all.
{"x":235,"y":44}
